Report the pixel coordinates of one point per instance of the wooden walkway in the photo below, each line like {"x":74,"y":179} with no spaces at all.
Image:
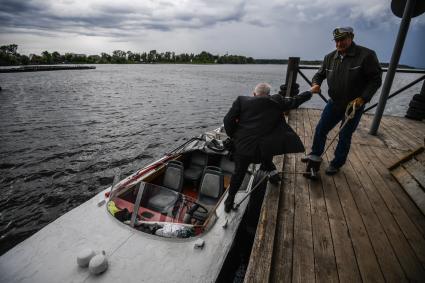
{"x":358,"y":225}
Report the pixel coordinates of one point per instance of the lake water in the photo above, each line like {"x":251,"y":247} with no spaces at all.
{"x":63,"y":134}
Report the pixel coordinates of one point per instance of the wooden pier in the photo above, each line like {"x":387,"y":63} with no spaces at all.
{"x":358,"y":225}
{"x":44,"y":68}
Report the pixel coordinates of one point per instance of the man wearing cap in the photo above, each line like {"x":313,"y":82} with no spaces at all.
{"x":353,"y":74}
{"x":258,"y":129}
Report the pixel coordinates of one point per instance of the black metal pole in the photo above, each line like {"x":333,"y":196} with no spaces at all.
{"x":395,"y":57}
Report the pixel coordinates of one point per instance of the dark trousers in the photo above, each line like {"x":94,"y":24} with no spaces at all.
{"x":241,"y":166}
{"x":331,"y":116}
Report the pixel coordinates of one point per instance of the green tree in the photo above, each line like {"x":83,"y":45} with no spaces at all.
{"x":10,"y":49}
{"x":119,"y":57}
{"x":46,"y":57}
{"x":56,"y":58}
{"x":152,"y":56}
{"x":105,"y":58}
{"x":24,"y":59}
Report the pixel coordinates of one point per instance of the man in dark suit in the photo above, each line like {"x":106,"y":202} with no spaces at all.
{"x":258,"y":129}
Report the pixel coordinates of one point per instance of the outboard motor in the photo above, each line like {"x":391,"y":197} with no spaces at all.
{"x":313,"y":167}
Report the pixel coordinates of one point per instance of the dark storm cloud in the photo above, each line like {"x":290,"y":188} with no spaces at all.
{"x":18,"y":6}
{"x":112,"y":19}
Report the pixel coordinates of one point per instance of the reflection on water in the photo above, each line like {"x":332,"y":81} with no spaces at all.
{"x":65,"y":133}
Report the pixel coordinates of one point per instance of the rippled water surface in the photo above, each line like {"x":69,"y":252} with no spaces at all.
{"x":63,"y":134}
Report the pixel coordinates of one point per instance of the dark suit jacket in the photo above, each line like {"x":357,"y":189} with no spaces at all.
{"x":257,"y":126}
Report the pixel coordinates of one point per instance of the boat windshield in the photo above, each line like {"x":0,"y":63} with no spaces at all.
{"x":161,"y":211}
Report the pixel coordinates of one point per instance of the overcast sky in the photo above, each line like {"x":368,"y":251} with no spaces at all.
{"x":256,"y":28}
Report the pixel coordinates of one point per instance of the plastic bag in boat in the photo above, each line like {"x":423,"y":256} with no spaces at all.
{"x":171,"y":230}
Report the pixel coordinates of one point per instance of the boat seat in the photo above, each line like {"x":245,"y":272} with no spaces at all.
{"x":173,"y":176}
{"x":211,"y":186}
{"x":210,"y":189}
{"x":198,"y":161}
{"x":227,"y":165}
{"x":173,"y":180}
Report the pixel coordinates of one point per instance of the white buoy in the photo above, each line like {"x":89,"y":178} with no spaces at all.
{"x":84,"y":257}
{"x":98,"y":264}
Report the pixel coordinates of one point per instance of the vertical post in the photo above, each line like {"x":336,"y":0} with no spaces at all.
{"x":291,"y":74}
{"x":422,"y":93}
{"x":395,"y":57}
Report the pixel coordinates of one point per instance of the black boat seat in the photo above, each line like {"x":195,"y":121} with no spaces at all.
{"x":173,"y":176}
{"x":227,"y":165}
{"x":173,"y":180}
{"x":210,"y":189}
{"x":198,"y":161}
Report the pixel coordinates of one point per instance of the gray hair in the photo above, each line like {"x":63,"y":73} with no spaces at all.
{"x":262,"y":89}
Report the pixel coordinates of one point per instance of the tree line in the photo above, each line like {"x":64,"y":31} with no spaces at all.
{"x":9,"y":56}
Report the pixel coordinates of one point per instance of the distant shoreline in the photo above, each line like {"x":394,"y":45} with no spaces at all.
{"x":256,"y":62}
{"x":10,"y":57}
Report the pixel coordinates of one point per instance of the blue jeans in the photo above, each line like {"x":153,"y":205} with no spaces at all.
{"x":331,"y":116}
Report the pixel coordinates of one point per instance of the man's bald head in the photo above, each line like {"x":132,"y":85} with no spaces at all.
{"x":262,"y":89}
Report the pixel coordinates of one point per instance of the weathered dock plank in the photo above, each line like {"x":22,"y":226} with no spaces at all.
{"x":324,"y":257}
{"x":386,"y":157}
{"x":281,"y":265}
{"x":303,"y":256}
{"x":358,"y":225}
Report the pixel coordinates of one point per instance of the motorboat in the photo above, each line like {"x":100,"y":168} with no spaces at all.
{"x":164,"y":223}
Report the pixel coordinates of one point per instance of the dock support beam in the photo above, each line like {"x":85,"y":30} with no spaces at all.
{"x":395,"y":57}
{"x":291,"y":74}
{"x":422,"y":93}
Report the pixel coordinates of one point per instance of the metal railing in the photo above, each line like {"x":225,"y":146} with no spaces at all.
{"x":395,"y":93}
{"x":294,"y":68}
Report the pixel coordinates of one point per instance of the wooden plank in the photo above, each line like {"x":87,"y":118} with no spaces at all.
{"x":406,"y":256}
{"x":324,"y":257}
{"x":345,"y":258}
{"x":396,"y":137}
{"x":421,"y":158}
{"x":365,"y":255}
{"x":400,"y":133}
{"x":417,"y":170}
{"x":281,"y":270}
{"x":416,"y":128}
{"x":411,"y":187}
{"x":387,"y":260}
{"x":383,"y":157}
{"x":413,"y":235}
{"x":384,"y":135}
{"x":409,"y":131}
{"x":303,"y":257}
{"x":259,"y":265}
{"x":405,"y":158}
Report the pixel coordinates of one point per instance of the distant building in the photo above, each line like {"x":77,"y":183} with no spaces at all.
{"x":94,"y":57}
{"x":75,"y":55}
{"x":80,"y":55}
